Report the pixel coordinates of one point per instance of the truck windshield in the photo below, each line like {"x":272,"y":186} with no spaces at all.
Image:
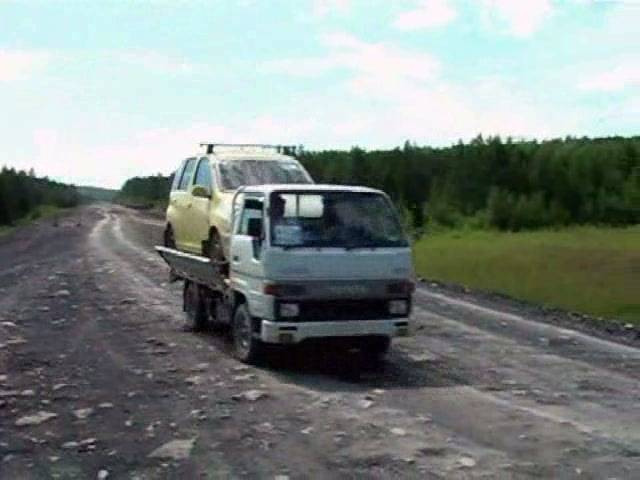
{"x":334,"y":219}
{"x":238,"y":173}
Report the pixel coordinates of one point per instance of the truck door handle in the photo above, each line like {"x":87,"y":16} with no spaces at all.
{"x":236,"y":258}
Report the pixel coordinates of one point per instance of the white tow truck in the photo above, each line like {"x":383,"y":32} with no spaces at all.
{"x":306,"y":262}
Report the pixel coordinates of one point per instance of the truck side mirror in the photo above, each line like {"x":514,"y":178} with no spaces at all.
{"x":200,"y":191}
{"x":254,"y":227}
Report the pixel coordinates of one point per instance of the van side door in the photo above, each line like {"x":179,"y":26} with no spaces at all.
{"x":198,"y":226}
{"x":182,"y":204}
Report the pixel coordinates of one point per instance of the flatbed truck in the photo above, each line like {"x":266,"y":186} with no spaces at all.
{"x":307,"y":262}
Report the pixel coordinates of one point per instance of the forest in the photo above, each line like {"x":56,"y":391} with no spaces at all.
{"x":145,"y":192}
{"x":503,"y":184}
{"x":21,"y":193}
{"x":509,"y":185}
{"x":488,"y":182}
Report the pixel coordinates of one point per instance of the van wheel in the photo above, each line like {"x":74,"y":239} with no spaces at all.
{"x":169,"y":238}
{"x":247,"y":348}
{"x":213,"y":248}
{"x":215,"y":253}
{"x":194,"y":307}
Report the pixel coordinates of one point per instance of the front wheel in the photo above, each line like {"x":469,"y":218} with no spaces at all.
{"x":247,"y":348}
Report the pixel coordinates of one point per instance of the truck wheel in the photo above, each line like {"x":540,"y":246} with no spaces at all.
{"x":376,"y":348}
{"x":247,"y":348}
{"x":194,"y":307}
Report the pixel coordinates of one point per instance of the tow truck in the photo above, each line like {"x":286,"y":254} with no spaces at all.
{"x":306,"y":263}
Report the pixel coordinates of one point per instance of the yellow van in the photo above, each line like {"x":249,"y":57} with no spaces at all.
{"x":199,"y":211}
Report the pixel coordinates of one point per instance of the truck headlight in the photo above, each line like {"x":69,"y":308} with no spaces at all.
{"x":398,"y":307}
{"x":289,"y":310}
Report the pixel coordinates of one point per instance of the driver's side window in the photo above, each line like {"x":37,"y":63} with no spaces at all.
{"x":252,"y":210}
{"x":203,"y":174}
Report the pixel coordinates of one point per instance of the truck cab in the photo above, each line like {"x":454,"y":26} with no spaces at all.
{"x":318,"y":261}
{"x":199,"y":210}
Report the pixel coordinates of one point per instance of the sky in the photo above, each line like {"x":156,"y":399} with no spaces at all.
{"x":93,"y":93}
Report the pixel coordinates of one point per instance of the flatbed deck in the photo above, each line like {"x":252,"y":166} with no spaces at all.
{"x":198,"y":269}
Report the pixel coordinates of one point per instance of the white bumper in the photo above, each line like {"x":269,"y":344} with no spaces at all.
{"x":294,"y":332}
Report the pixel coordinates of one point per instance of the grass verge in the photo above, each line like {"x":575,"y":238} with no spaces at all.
{"x":38,"y":213}
{"x":585,"y":269}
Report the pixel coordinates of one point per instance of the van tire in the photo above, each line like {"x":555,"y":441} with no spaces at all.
{"x":213,"y":250}
{"x":246,"y":347}
{"x":169,"y":238}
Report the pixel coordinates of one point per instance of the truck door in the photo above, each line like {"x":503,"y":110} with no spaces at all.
{"x":198,"y":227}
{"x":181,"y":204}
{"x":246,"y":248}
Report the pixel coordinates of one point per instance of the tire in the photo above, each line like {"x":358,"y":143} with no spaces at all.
{"x":246,"y":347}
{"x":213,"y":248}
{"x":375,"y":348}
{"x":214,"y":251}
{"x":195,"y":309}
{"x":169,"y":238}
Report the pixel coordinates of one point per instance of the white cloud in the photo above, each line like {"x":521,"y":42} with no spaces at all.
{"x":322,"y":8}
{"x":391,"y":94}
{"x":19,"y":64}
{"x":613,"y":78}
{"x":67,"y":155}
{"x":369,"y":62}
{"x":156,"y":61}
{"x":521,"y":17}
{"x":428,"y":14}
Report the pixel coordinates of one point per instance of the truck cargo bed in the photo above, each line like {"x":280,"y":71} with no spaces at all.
{"x":200,"y":270}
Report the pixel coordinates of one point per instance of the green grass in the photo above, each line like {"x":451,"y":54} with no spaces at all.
{"x":38,"y":213}
{"x":585,"y":269}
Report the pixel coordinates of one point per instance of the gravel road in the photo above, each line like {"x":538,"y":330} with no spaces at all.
{"x":98,"y":379}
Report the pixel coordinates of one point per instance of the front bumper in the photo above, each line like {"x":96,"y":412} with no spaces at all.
{"x":295,"y":332}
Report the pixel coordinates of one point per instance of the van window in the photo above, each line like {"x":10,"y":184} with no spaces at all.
{"x":176,"y":177}
{"x":203,"y":174}
{"x":187,"y":174}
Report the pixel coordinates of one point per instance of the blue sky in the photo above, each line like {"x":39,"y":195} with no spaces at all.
{"x":96,"y":92}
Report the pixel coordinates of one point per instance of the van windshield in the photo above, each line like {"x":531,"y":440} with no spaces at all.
{"x":334,"y":219}
{"x":238,"y":173}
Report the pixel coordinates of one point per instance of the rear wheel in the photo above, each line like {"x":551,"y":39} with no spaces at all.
{"x":247,"y":348}
{"x":375,"y":348}
{"x":169,"y":238}
{"x":214,"y":251}
{"x":195,"y":309}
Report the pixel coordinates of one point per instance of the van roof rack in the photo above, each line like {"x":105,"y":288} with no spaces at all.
{"x":284,"y":149}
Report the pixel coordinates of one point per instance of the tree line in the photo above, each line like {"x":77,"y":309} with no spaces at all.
{"x":21,"y":193}
{"x":506,"y":184}
{"x":488,"y":182}
{"x":145,"y":191}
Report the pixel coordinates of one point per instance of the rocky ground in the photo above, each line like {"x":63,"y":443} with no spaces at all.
{"x":98,"y":379}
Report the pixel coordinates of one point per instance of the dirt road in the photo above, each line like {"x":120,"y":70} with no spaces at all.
{"x":99,"y":380}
